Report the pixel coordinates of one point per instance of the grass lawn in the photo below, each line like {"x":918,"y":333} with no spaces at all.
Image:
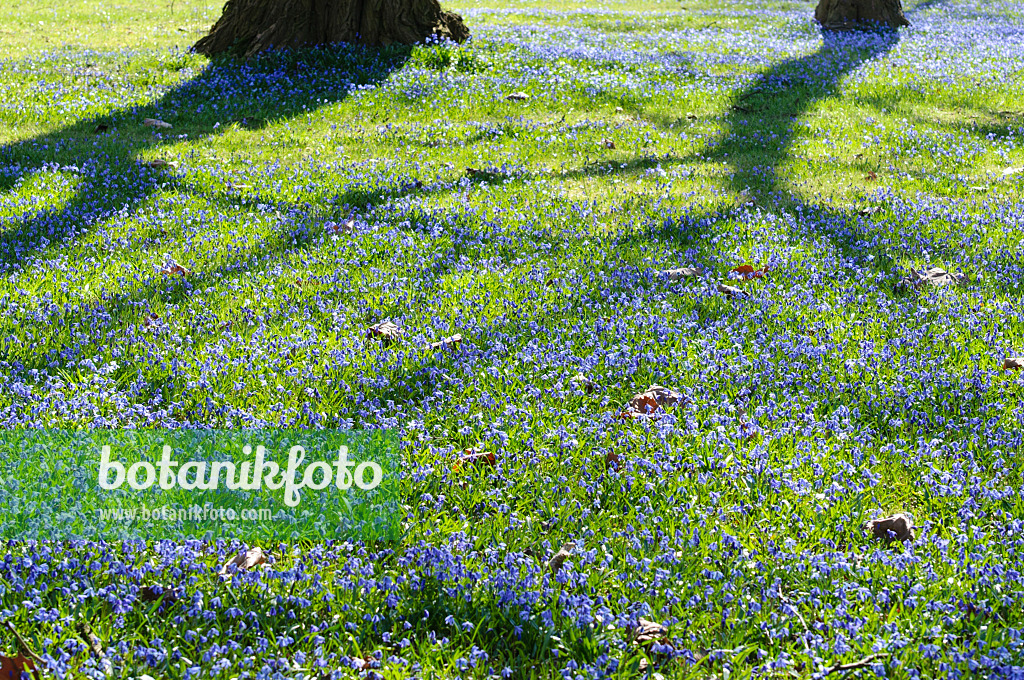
{"x":305,"y":196}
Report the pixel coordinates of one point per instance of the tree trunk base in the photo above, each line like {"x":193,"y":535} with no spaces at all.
{"x":850,"y":14}
{"x":247,"y":27}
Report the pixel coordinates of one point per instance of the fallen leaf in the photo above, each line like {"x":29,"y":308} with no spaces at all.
{"x":161,"y":163}
{"x":362,"y":664}
{"x":474,"y":458}
{"x":900,"y":525}
{"x":517,"y":97}
{"x":173,"y":268}
{"x":932,"y":276}
{"x":559,"y":558}
{"x":336,"y":228}
{"x":243,"y":561}
{"x":680,"y":273}
{"x":386,"y":331}
{"x":871,"y":176}
{"x":154,"y":593}
{"x":647,"y":632}
{"x":730,"y":291}
{"x":583,"y":382}
{"x":450,"y":343}
{"x":748,"y":272}
{"x":649,"y":402}
{"x":16,"y":667}
{"x":1010,"y":363}
{"x":156,"y":123}
{"x":611,"y":458}
{"x":607,"y":143}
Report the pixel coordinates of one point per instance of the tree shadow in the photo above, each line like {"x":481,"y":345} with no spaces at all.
{"x":102,"y":152}
{"x":760,"y":128}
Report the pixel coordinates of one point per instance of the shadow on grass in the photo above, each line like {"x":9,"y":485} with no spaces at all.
{"x":106,"y":149}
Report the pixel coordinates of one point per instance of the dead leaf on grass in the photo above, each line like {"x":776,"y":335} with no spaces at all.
{"x":900,"y":525}
{"x":337,"y":228}
{"x":17,"y":667}
{"x":385,"y":331}
{"x":652,"y":402}
{"x":730,"y":291}
{"x":244,"y":561}
{"x":748,"y":272}
{"x":559,"y":558}
{"x":607,"y":143}
{"x":681,"y":273}
{"x":474,"y":458}
{"x":451,"y":343}
{"x":173,"y":268}
{"x":932,"y":276}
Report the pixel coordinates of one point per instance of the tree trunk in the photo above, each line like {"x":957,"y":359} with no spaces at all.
{"x":247,"y":27}
{"x":840,"y":14}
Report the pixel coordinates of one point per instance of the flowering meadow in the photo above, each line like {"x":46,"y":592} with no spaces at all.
{"x":582,"y":202}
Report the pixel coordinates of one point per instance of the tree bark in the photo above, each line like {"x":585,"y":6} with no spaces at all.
{"x":247,"y":27}
{"x":844,"y":14}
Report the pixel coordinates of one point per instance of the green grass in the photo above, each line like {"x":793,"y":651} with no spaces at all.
{"x":545,"y":263}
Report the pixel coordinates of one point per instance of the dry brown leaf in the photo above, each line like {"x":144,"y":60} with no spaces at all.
{"x":386,"y":331}
{"x":172,"y":269}
{"x":17,"y":667}
{"x":681,"y":273}
{"x":871,"y":176}
{"x":607,"y":143}
{"x":449,"y":343}
{"x":156,"y":123}
{"x":517,"y":97}
{"x":559,"y":558}
{"x":900,"y":525}
{"x":243,"y":561}
{"x":154,"y":593}
{"x":932,"y":276}
{"x":474,"y":458}
{"x":748,"y":272}
{"x":583,"y":382}
{"x":730,"y":291}
{"x":611,"y":458}
{"x":652,"y":402}
{"x":335,"y":228}
{"x":1011,"y":363}
{"x":647,"y":632}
